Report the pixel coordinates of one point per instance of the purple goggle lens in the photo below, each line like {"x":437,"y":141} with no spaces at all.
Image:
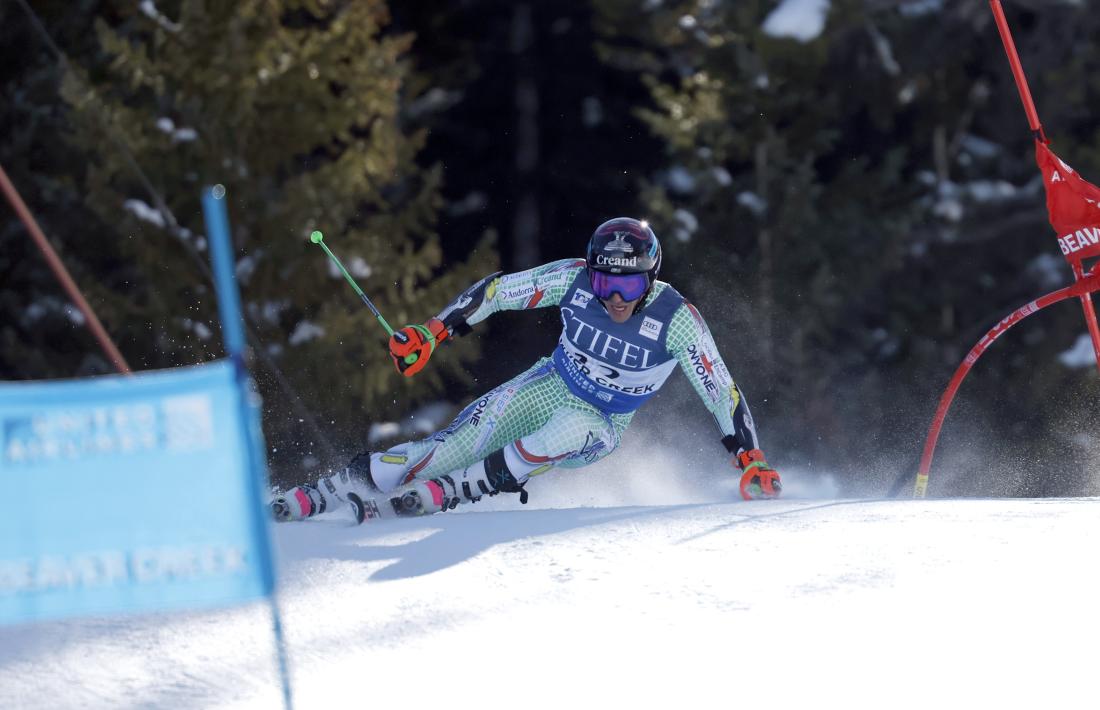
{"x":628,"y":286}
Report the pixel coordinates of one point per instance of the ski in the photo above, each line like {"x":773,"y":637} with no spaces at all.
{"x":362,"y":510}
{"x":406,"y":505}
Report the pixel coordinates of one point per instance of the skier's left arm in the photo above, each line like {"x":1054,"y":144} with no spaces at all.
{"x":691,"y":343}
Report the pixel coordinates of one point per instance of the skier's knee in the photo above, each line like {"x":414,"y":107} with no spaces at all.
{"x":489,"y":476}
{"x":486,"y":477}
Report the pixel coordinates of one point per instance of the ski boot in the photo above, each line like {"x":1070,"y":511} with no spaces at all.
{"x":330,"y":491}
{"x":297,"y":503}
{"x":418,"y":498}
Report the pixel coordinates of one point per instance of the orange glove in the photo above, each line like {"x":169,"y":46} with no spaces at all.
{"x":759,"y":480}
{"x":411,"y":346}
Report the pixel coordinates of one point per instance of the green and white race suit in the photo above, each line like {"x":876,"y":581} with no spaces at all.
{"x":570,"y":409}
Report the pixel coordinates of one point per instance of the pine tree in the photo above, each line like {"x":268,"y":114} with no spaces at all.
{"x":766,"y":203}
{"x":41,"y":333}
{"x":857,"y":197}
{"x":295,"y":107}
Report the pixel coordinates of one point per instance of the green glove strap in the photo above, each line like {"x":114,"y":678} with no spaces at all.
{"x":427,"y":335}
{"x":429,"y":338}
{"x":754,"y":464}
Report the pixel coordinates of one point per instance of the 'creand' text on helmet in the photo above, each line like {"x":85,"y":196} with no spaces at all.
{"x":624,"y":246}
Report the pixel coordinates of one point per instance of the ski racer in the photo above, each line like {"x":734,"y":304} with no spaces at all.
{"x":623,"y":334}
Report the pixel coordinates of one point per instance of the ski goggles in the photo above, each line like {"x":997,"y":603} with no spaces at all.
{"x":629,"y":286}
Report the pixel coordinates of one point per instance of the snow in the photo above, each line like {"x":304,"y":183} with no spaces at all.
{"x":269,"y":311}
{"x":198,"y":327}
{"x":44,"y":306}
{"x":907,"y":93}
{"x":304,"y":332}
{"x":149,"y":9}
{"x":687,"y":600}
{"x":990,"y":190}
{"x":680,"y":180}
{"x":1049,"y":271}
{"x":752,"y":202}
{"x":685,"y":224}
{"x":74,"y":314}
{"x":591,"y":111}
{"x":885,"y":51}
{"x":948,"y":208}
{"x":433,"y":101}
{"x":425,"y":420}
{"x":382,"y":430}
{"x":474,"y":201}
{"x":1080,"y":355}
{"x":144,"y":212}
{"x":184,"y":135}
{"x":980,"y":147}
{"x":803,"y":20}
{"x":179,"y":135}
{"x":918,"y":8}
{"x":246,"y":266}
{"x":357,"y":266}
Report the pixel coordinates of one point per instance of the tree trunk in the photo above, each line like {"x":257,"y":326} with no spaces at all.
{"x":767,"y":268}
{"x":526,"y":219}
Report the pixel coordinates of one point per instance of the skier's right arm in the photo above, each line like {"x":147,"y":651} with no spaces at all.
{"x":534,"y":288}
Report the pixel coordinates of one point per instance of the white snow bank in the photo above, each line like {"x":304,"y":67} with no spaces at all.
{"x":777,"y":604}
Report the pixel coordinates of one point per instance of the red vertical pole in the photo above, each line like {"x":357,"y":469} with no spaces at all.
{"x":62,"y":274}
{"x":1017,"y":71}
{"x":1090,"y":313}
{"x":1037,"y":129}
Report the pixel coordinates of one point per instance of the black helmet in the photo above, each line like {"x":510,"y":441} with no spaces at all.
{"x":624,"y":246}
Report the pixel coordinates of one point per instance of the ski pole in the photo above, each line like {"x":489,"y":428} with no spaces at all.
{"x":317,"y":238}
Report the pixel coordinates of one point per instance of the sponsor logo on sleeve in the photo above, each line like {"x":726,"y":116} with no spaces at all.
{"x":700,"y":363}
{"x":535,"y":298}
{"x":514,"y":294}
{"x":651,"y":328}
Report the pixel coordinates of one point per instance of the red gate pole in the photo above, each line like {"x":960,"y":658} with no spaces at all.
{"x":1037,"y":131}
{"x":1082,"y":289}
{"x":1090,"y":312}
{"x":1085,"y":282}
{"x":62,"y":274}
{"x":1017,"y":71}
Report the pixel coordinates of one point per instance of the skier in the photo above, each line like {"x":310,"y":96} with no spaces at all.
{"x":623,"y":333}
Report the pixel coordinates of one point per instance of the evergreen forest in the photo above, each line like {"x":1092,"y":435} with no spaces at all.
{"x":850,"y":209}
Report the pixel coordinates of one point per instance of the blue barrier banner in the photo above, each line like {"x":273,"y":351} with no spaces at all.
{"x":137,"y":493}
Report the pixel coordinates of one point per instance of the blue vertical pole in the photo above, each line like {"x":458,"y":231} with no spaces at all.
{"x":229,"y":310}
{"x":221,"y":254}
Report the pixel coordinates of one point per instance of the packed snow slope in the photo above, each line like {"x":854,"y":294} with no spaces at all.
{"x":800,"y":602}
